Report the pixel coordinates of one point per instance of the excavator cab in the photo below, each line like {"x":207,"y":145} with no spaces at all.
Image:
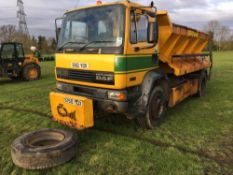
{"x":14,"y":63}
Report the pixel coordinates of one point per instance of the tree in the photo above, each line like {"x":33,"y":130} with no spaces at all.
{"x":52,"y":45}
{"x":43,"y":44}
{"x":8,"y":33}
{"x":222,"y":34}
{"x":225,"y":35}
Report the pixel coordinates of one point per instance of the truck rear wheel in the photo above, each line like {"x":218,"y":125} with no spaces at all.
{"x":202,"y":85}
{"x":31,"y":72}
{"x":43,"y":149}
{"x":155,"y":110}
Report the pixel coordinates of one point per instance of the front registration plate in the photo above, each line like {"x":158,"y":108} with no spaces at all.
{"x":72,"y":101}
{"x":71,"y":110}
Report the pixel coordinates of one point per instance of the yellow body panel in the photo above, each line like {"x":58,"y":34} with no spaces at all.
{"x":71,"y":110}
{"x":139,"y":76}
{"x":106,"y":63}
{"x":181,"y":92}
{"x":183,"y":66}
{"x":96,"y":62}
{"x":30,"y":59}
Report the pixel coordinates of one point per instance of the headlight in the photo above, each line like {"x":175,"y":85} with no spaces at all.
{"x":59,"y":86}
{"x":105,"y":77}
{"x":117,"y":95}
{"x":64,"y":87}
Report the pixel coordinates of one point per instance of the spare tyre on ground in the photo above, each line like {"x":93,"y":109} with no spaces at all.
{"x":44,"y":149}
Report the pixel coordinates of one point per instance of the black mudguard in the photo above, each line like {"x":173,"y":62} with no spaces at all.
{"x":140,"y":106}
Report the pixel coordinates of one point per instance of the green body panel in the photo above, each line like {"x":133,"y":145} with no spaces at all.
{"x":131,"y":63}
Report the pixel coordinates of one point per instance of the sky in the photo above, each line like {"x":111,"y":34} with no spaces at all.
{"x":192,"y":13}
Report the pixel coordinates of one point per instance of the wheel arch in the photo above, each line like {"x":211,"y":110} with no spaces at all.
{"x":151,"y":80}
{"x":29,"y":63}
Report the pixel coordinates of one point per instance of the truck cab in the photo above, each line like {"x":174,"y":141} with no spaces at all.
{"x":108,"y":58}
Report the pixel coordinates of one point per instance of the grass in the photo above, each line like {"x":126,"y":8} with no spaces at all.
{"x":195,"y":137}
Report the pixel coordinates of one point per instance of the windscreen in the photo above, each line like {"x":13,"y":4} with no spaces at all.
{"x":99,"y":27}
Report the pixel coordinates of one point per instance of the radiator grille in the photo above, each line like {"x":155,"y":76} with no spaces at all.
{"x":80,"y":75}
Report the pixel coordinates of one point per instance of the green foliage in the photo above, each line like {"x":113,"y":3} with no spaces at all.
{"x":195,"y":137}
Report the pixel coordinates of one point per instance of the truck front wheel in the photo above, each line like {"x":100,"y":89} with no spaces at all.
{"x":155,"y":110}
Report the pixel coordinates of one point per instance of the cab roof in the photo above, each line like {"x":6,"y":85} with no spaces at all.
{"x":126,"y":3}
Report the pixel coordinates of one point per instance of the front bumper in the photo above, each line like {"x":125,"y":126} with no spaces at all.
{"x":100,"y":97}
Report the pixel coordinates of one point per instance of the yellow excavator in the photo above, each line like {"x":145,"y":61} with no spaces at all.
{"x":15,"y":64}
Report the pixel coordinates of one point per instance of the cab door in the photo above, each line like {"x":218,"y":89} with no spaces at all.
{"x":141,"y":53}
{"x":8,"y":55}
{"x":11,"y":59}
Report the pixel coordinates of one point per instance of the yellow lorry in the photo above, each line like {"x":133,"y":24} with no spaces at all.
{"x":125,"y":58}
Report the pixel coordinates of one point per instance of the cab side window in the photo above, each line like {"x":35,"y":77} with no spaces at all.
{"x":139,"y":26}
{"x":142,"y":25}
{"x":19,"y":50}
{"x":8,"y":51}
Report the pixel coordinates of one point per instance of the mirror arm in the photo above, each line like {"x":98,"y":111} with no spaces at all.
{"x":57,"y":27}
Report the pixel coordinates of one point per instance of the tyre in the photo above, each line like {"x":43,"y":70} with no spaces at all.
{"x":31,"y":72}
{"x":202,"y":85}
{"x":155,"y":109}
{"x":43,"y":149}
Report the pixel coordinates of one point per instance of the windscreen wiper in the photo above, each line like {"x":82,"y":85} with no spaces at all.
{"x":69,"y":42}
{"x":93,"y":42}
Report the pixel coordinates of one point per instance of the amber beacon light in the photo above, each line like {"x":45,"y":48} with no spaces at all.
{"x":98,"y":2}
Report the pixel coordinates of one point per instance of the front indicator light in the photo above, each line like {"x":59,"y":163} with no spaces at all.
{"x":116,"y":95}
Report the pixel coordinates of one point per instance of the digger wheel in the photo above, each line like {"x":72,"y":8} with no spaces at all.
{"x":31,"y":72}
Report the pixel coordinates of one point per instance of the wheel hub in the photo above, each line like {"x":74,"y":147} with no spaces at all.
{"x":33,"y":73}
